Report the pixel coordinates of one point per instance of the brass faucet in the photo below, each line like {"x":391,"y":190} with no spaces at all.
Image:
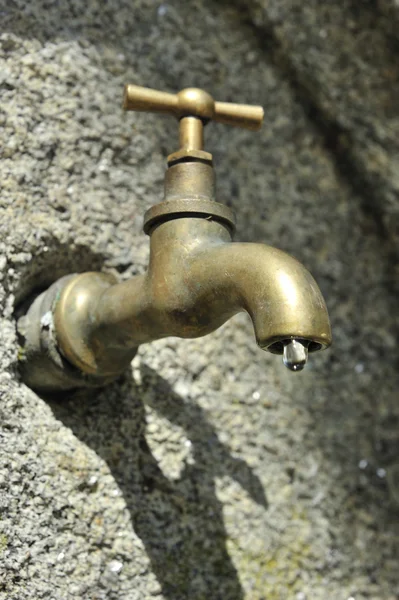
{"x":85,"y":329}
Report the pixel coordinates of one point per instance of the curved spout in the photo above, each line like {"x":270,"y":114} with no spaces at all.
{"x":197,"y":280}
{"x":281,"y":297}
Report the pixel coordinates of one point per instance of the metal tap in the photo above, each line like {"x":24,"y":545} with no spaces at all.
{"x":85,"y":329}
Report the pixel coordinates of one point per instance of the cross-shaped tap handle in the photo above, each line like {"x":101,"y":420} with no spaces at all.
{"x":193,"y":102}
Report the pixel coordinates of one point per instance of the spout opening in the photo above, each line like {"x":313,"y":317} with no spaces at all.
{"x":277,"y":347}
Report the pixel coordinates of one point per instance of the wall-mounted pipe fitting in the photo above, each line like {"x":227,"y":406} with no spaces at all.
{"x":86,"y":328}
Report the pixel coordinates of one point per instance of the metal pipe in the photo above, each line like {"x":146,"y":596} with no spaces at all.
{"x":191,"y":133}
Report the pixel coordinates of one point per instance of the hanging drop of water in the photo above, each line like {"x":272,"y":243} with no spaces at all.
{"x":295,"y":355}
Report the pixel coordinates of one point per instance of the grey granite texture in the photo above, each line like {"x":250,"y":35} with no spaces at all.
{"x":208,"y":471}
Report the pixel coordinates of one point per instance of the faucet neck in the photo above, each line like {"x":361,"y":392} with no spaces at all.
{"x":189,"y":192}
{"x":190,"y":233}
{"x":190,"y":180}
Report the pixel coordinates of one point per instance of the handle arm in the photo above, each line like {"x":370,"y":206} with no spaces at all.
{"x":193,"y":102}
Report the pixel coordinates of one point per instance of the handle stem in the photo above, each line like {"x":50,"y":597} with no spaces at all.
{"x":191,"y":133}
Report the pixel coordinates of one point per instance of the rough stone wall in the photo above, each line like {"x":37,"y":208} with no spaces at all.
{"x":209,"y":471}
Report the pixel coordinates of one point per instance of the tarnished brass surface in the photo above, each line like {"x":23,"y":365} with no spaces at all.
{"x":179,"y":208}
{"x":185,"y":154}
{"x":74,"y":325}
{"x":191,"y":133}
{"x":189,"y":190}
{"x":194,"y":108}
{"x":197,"y":279}
{"x":192,"y":179}
{"x":193,"y":102}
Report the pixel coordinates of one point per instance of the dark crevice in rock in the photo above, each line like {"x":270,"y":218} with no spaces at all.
{"x":55,"y":261}
{"x":337,"y":139}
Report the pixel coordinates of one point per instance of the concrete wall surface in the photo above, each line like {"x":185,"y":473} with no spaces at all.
{"x":208,"y":472}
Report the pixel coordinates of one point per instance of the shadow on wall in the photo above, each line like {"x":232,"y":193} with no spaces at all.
{"x":180,"y":522}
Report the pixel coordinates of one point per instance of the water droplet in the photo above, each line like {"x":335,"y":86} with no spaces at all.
{"x":359,"y":368}
{"x":115,"y":566}
{"x":381,"y":473}
{"x":92,"y":481}
{"x":61,"y":556}
{"x":363,"y":464}
{"x":256,"y":395}
{"x":162,"y":10}
{"x":115,"y":493}
{"x":188,"y":443}
{"x":300,"y":596}
{"x":295,"y":355}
